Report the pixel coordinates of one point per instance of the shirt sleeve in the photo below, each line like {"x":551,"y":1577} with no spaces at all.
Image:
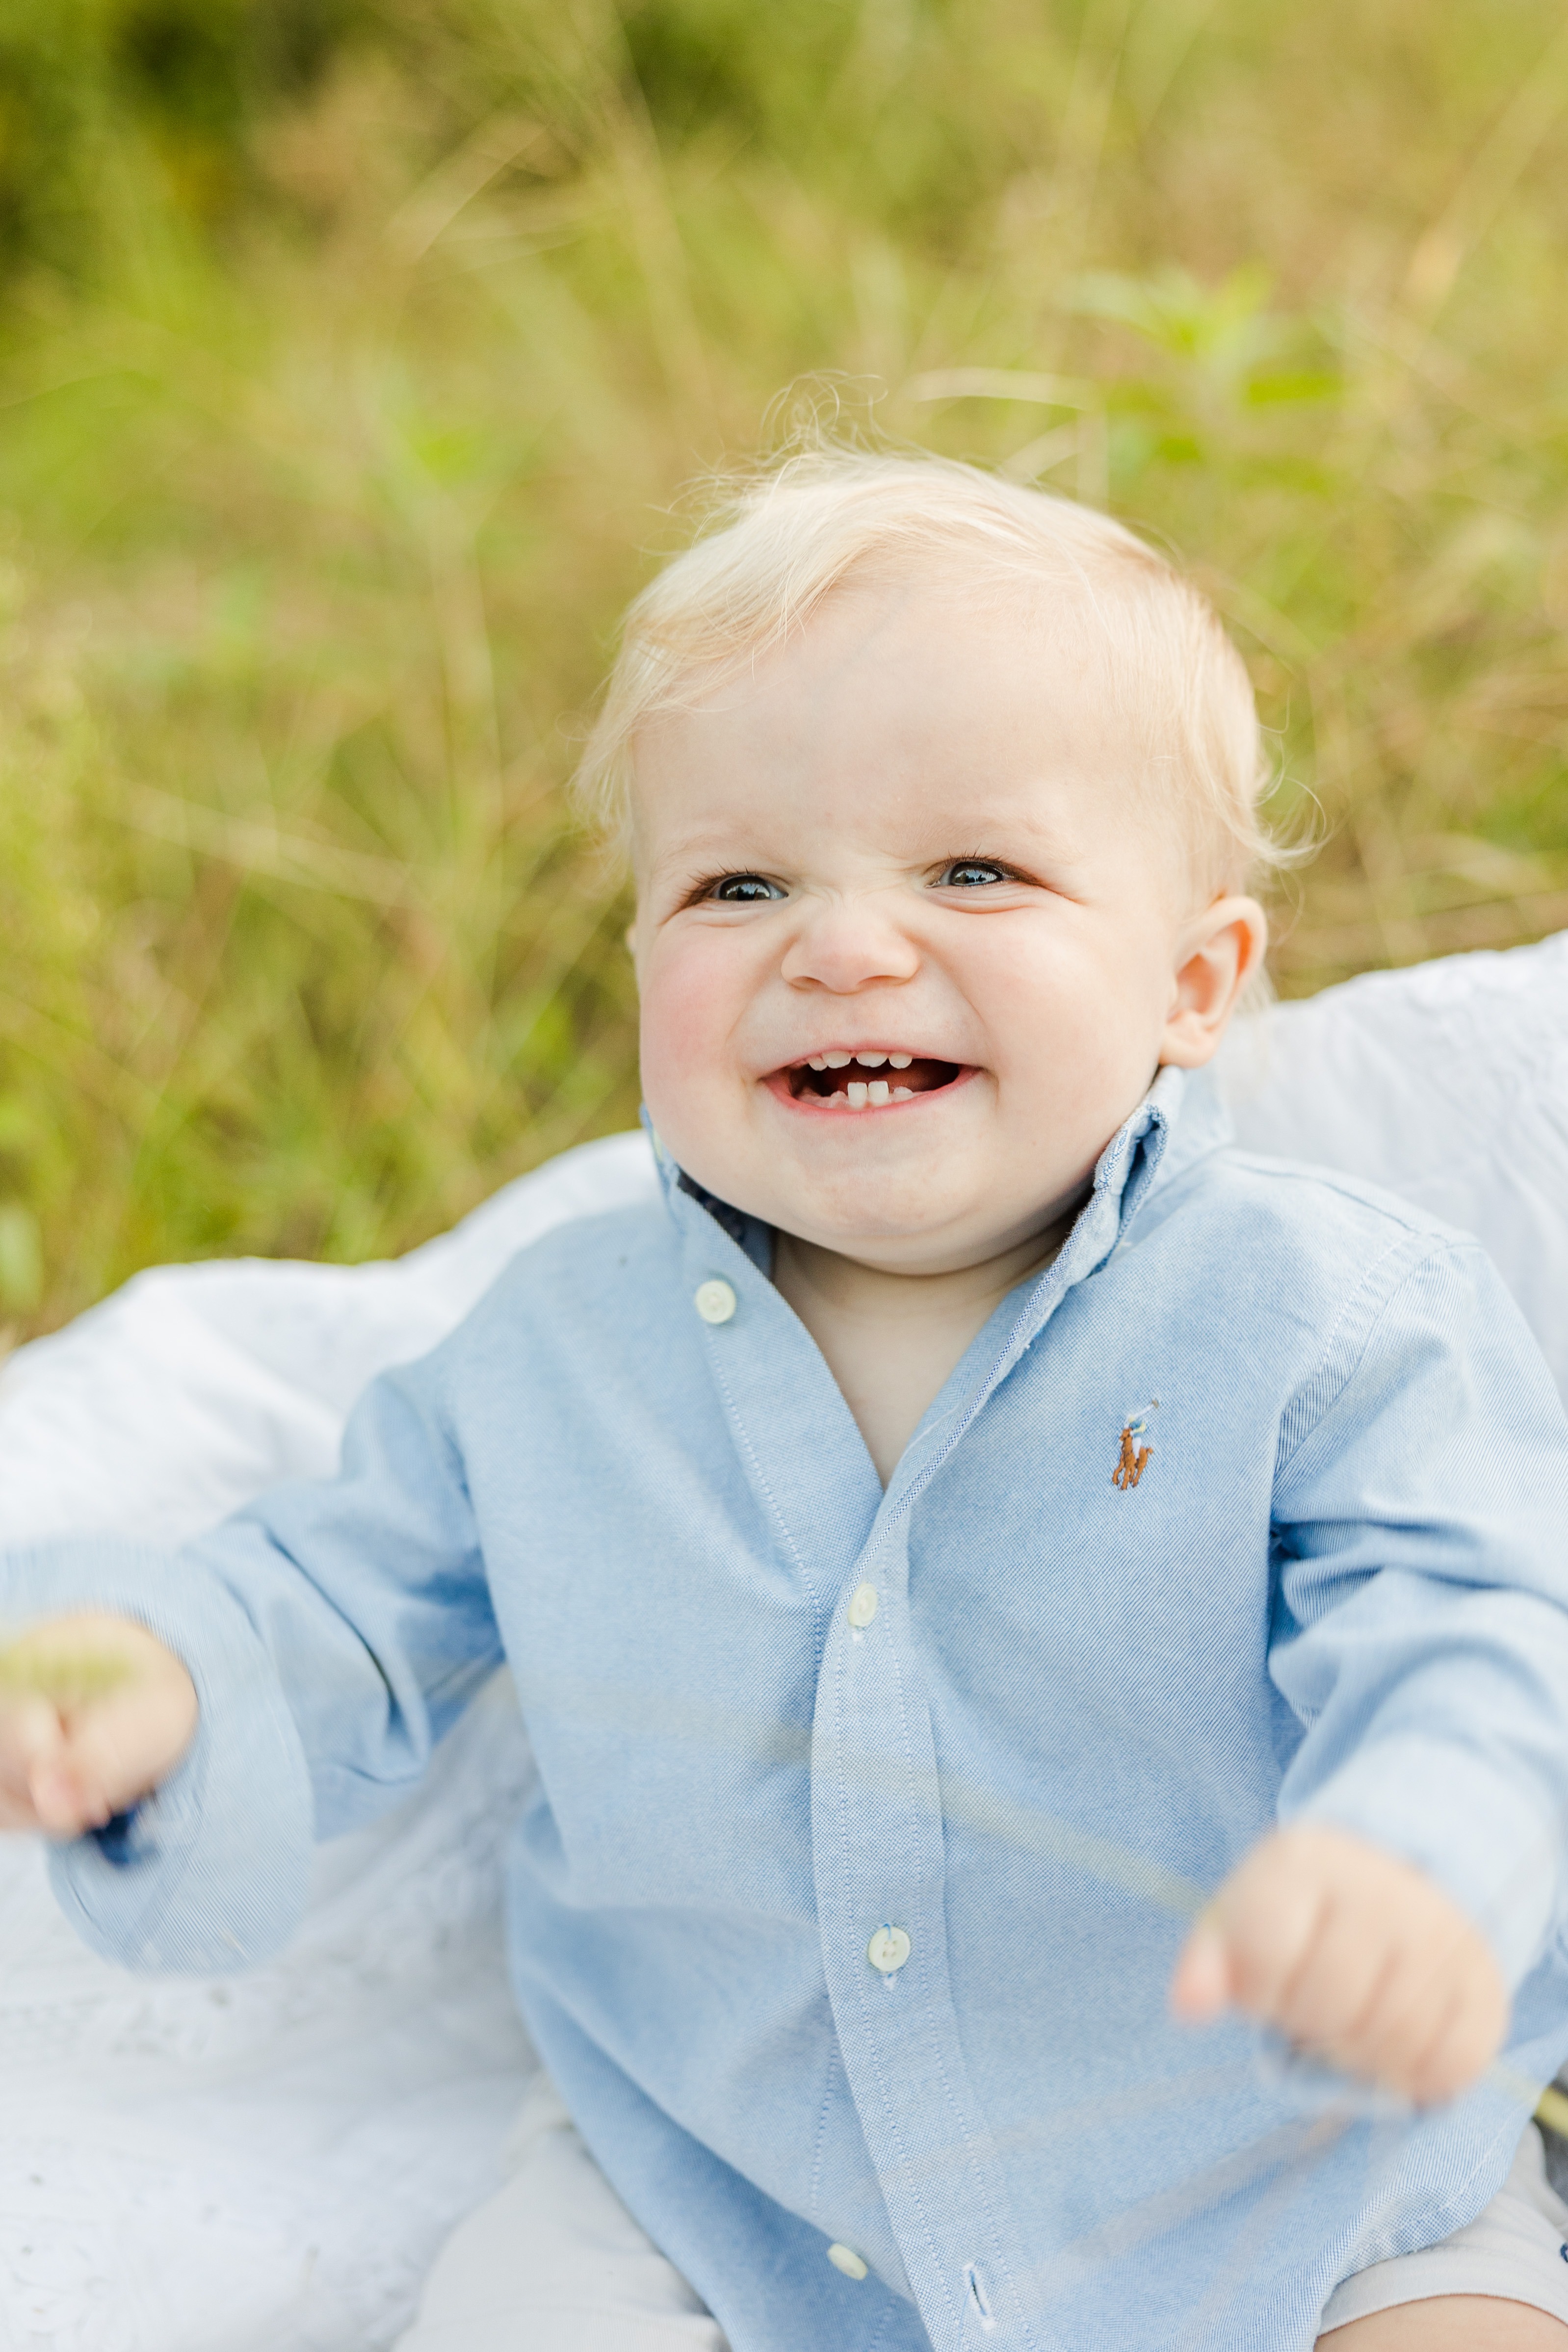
{"x":332,"y":1630}
{"x":1421,"y":1631}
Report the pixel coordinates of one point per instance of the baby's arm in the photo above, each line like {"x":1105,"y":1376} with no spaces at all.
{"x":1353,"y":1955}
{"x":95,"y":1712}
{"x":282,"y":1679}
{"x":1420,"y":1639}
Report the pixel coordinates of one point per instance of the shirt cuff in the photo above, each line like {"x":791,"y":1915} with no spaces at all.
{"x":209,"y":1872}
{"x":1479,"y":1832}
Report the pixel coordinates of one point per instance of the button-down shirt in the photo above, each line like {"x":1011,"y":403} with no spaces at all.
{"x":868,"y":1825}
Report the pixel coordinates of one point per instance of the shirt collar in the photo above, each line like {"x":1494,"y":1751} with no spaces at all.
{"x":1197,"y":1117}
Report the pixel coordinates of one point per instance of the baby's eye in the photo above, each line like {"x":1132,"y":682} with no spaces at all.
{"x":744,"y":889}
{"x":972,"y":874}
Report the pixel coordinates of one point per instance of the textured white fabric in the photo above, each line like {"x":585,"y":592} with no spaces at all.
{"x":195,"y":1386}
{"x":269,"y":2164}
{"x":1446,"y":1084}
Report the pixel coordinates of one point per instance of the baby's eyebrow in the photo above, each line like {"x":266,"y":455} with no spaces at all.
{"x":705,"y":836}
{"x":694,"y":861}
{"x":1008,"y":835}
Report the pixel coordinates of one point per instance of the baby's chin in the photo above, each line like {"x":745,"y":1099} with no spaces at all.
{"x":903,"y":1221}
{"x":917,"y":1196}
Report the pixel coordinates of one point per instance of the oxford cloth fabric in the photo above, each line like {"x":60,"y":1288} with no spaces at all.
{"x":553,"y":2262}
{"x":1076,"y":1705}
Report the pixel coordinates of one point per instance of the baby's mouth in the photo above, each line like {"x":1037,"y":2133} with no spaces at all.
{"x":868,"y":1078}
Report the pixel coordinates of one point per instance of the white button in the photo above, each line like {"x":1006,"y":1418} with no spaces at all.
{"x":862,"y":1606}
{"x":845,"y":2259}
{"x":715,"y":1301}
{"x":887,"y":1950}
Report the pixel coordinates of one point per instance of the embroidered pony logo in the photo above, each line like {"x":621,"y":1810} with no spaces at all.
{"x":1134,"y":1458}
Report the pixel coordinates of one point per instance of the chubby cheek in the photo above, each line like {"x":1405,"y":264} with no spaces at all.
{"x":1079,"y":1027}
{"x":693,"y":996}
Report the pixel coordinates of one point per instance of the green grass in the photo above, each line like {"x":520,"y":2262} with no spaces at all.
{"x":353,"y":358}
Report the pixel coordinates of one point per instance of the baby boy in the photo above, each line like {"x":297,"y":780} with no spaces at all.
{"x":1045,"y":1640}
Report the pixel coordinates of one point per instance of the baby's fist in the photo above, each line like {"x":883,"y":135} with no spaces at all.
{"x":94,"y":1712}
{"x":1354,"y":1956}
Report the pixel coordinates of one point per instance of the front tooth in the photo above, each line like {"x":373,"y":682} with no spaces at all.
{"x":816,"y":1063}
{"x":903,"y":1094}
{"x":870,"y":1061}
{"x":899,"y":1061}
{"x":877,"y":1092}
{"x":837,"y":1061}
{"x":856,"y":1095}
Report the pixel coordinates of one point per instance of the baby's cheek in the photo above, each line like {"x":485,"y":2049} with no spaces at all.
{"x":682,"y":1034}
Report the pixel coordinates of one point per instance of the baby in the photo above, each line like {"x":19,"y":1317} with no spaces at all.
{"x":1045,"y":1640}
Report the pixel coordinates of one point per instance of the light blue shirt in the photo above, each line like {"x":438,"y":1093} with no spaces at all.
{"x":1002,"y":1726}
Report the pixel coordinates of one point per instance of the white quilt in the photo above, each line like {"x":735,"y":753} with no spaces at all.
{"x":266,"y":2163}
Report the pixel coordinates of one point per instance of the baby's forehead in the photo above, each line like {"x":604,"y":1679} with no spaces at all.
{"x":971,"y":654}
{"x":899,"y":773}
{"x":911,"y":683}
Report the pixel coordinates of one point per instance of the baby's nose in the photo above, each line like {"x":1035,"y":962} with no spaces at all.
{"x":850,"y":944}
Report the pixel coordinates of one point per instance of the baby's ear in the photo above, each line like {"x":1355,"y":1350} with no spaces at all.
{"x":1217,"y":953}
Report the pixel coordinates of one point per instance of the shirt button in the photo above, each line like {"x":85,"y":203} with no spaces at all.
{"x":715,"y":1301}
{"x":887,"y":1950}
{"x":862,"y":1606}
{"x":845,"y":2259}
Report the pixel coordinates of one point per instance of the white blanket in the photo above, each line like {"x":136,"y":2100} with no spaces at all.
{"x":266,"y":2163}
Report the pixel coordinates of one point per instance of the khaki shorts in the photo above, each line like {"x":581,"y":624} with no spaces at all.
{"x":554,"y":2262}
{"x":1517,"y":2249}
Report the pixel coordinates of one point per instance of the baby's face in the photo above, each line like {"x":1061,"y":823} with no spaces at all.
{"x":910,"y":943}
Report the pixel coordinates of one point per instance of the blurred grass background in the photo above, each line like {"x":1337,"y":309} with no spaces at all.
{"x":352,"y":354}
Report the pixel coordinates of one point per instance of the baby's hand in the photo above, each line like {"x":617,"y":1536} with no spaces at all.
{"x":94,"y":1712}
{"x":1356,"y":1957}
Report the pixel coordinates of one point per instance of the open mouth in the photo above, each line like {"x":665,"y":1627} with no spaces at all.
{"x":869,"y":1077}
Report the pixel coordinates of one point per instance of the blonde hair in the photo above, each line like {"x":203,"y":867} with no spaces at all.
{"x":776,"y":545}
